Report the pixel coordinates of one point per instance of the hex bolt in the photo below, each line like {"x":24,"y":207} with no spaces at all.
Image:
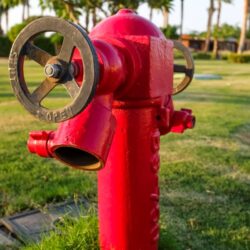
{"x":52,"y":70}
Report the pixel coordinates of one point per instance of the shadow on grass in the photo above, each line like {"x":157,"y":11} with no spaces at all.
{"x":167,"y":241}
{"x":57,"y":95}
{"x":242,"y":133}
{"x":214,"y":98}
{"x":4,"y":95}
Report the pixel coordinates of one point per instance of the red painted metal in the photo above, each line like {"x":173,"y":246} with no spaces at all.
{"x":128,"y":193}
{"x":121,"y":129}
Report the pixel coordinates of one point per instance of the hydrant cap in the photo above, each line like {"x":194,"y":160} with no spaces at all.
{"x":126,"y":22}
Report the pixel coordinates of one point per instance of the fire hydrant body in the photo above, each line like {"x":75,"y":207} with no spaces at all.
{"x":121,"y":127}
{"x":128,"y":193}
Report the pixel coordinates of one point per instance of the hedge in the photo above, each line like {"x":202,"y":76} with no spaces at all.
{"x":45,"y":43}
{"x":202,"y":56}
{"x":239,"y":58}
{"x":5,"y":46}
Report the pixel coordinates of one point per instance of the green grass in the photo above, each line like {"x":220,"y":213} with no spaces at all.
{"x":72,"y":233}
{"x":204,"y":176}
{"x":28,"y":181}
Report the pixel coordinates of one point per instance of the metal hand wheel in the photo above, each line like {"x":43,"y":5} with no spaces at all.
{"x":187,"y":69}
{"x":58,"y":69}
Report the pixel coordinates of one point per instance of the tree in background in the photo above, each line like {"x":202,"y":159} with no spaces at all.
{"x":249,"y":17}
{"x":115,"y":5}
{"x":73,"y":9}
{"x":164,"y":6}
{"x":217,"y":27}
{"x":26,"y":8}
{"x":5,"y":6}
{"x":66,"y":9}
{"x":171,"y":32}
{"x":243,"y":27}
{"x":4,"y":11}
{"x":90,"y":8}
{"x":211,"y":10}
{"x":248,"y":30}
{"x":182,"y":17}
{"x":1,"y":13}
{"x":228,"y":31}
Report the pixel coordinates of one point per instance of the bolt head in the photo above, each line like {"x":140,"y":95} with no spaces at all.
{"x":52,"y":70}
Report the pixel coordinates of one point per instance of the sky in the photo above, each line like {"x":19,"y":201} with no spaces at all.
{"x":195,"y":14}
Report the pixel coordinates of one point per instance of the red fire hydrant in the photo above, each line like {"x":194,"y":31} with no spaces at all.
{"x":117,"y":130}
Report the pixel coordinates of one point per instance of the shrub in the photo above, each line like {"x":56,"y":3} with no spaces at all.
{"x":202,"y":56}
{"x":45,"y":43}
{"x":5,"y":46}
{"x":15,"y":30}
{"x":225,"y":54}
{"x":178,"y":54}
{"x":170,"y":32}
{"x":239,"y":58}
{"x":41,"y":41}
{"x":56,"y":39}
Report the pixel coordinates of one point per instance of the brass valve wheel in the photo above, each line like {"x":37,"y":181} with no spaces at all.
{"x":187,"y":69}
{"x":57,"y":69}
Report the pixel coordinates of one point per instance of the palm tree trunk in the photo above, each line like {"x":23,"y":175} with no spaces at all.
{"x":165,"y":17}
{"x":243,"y":27}
{"x":28,"y":8}
{"x":209,"y":24}
{"x":23,"y":11}
{"x":94,"y":17}
{"x":216,"y":35}
{"x":70,"y":9}
{"x":7,"y":19}
{"x":1,"y":30}
{"x":182,"y":17}
{"x":150,"y":14}
{"x":249,"y":15}
{"x":87,"y":20}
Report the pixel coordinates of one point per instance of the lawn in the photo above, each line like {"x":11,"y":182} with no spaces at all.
{"x":204,"y":176}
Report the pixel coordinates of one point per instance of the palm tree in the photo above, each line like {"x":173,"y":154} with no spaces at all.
{"x":115,"y":5}
{"x":26,"y":6}
{"x":65,"y":9}
{"x":1,"y":13}
{"x":73,"y":9}
{"x":243,"y":27}
{"x":151,"y":10}
{"x":211,"y":10}
{"x":165,"y":6}
{"x":5,"y":6}
{"x":249,"y":16}
{"x":5,"y":12}
{"x":182,"y":17}
{"x":217,"y":27}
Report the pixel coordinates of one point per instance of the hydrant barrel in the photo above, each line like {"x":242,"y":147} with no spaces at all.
{"x":128,"y":193}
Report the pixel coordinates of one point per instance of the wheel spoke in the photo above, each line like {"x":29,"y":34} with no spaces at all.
{"x":66,"y":51}
{"x":183,"y":69}
{"x":38,"y":55}
{"x":42,"y":91}
{"x":72,"y":87}
{"x":179,"y":68}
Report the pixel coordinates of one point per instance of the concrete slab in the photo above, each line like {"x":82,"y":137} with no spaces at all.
{"x":32,"y":225}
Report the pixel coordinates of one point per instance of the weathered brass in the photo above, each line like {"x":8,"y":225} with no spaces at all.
{"x":74,"y":36}
{"x":187,"y":69}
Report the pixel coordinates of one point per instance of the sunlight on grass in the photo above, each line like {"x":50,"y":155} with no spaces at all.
{"x":204,"y":175}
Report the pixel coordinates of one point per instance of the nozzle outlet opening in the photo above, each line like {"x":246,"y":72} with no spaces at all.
{"x":77,"y":158}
